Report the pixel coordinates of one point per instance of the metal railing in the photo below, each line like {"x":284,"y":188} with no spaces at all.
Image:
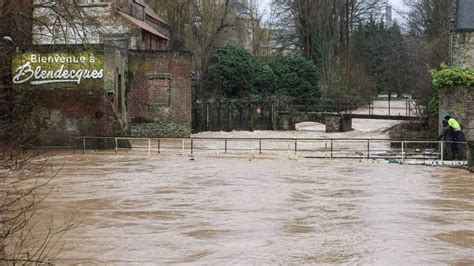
{"x":410,"y":108}
{"x":343,"y":148}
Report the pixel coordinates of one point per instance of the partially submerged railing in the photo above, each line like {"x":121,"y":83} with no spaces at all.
{"x":343,"y":148}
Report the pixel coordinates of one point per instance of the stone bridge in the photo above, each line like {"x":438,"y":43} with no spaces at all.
{"x":334,"y":122}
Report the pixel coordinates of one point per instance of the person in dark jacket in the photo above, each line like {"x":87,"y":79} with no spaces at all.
{"x":447,"y":135}
{"x":458,"y":136}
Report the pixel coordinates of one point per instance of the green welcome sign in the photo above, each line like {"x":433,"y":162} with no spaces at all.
{"x":64,"y":68}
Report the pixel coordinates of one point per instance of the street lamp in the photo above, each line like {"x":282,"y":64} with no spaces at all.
{"x":7,"y":39}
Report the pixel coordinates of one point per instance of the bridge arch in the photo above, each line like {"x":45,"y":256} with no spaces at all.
{"x":333,"y":122}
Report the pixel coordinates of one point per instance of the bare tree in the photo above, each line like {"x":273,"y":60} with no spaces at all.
{"x":322,"y":31}
{"x":26,"y":178}
{"x":429,"y":20}
{"x":26,"y":183}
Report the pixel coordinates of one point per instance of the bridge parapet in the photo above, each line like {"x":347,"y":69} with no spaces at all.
{"x":334,"y":122}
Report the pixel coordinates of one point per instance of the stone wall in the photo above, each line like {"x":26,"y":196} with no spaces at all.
{"x":459,"y":103}
{"x":160,"y":94}
{"x":462,"y":50}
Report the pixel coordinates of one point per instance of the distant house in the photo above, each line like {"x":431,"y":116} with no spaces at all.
{"x":129,"y":24}
{"x":462,"y":34}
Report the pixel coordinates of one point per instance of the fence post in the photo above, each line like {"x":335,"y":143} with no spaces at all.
{"x":192,"y":146}
{"x":389,"y":96}
{"x":159,"y":146}
{"x":225,"y":145}
{"x":273,"y":116}
{"x":296,"y":146}
{"x":116,"y":146}
{"x":442,"y":152}
{"x":252,"y":117}
{"x":260,"y":146}
{"x":331,"y":147}
{"x":403,"y":152}
{"x":368,"y":149}
{"x":149,"y":147}
{"x":207,"y":116}
{"x":229,"y":110}
{"x":84,"y":146}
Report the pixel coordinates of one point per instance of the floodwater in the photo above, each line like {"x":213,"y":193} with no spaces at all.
{"x":207,"y":210}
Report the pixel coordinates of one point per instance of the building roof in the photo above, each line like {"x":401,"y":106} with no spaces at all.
{"x":142,"y":25}
{"x":465,"y":15}
{"x":150,"y":12}
{"x":140,"y":2}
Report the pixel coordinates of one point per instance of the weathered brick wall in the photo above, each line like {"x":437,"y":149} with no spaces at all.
{"x":115,"y":81}
{"x":56,"y":113}
{"x":57,"y":117}
{"x":459,"y":103}
{"x":160,"y":94}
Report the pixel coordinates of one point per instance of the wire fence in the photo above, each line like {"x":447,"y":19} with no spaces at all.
{"x":344,"y":148}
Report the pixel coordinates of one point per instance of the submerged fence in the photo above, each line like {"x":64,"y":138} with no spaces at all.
{"x":344,"y":148}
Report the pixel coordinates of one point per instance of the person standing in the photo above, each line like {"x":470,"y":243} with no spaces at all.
{"x":457,"y":136}
{"x":447,"y":135}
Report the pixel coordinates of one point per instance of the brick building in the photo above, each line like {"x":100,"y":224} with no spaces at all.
{"x":63,"y":91}
{"x":160,"y":94}
{"x":130,"y":24}
{"x":113,"y":80}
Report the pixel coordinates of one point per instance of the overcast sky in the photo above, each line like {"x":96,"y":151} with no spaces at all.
{"x":396,"y":4}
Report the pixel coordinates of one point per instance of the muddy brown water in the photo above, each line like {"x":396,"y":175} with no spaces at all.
{"x":239,"y":211}
{"x":170,"y":209}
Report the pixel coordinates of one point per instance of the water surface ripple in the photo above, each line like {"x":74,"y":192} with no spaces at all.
{"x":236,"y":211}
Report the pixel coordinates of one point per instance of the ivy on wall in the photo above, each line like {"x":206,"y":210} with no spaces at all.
{"x":449,"y":78}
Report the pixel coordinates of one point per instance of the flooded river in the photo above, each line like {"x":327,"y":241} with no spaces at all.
{"x":205,"y":210}
{"x":216,"y":211}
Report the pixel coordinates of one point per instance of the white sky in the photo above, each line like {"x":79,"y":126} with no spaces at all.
{"x":396,"y":4}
